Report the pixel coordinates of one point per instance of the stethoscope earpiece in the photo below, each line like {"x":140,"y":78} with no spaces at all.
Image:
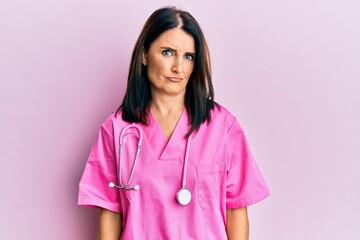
{"x":112,"y":185}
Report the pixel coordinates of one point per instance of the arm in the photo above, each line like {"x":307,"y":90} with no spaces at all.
{"x":109,"y":225}
{"x":237,"y":224}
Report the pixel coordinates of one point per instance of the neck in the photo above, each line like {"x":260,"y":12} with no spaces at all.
{"x":167,"y":105}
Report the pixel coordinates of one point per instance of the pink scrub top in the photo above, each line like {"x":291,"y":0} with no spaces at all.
{"x":221,"y":174}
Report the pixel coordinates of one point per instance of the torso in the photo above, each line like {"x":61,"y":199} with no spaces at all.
{"x":159,"y":174}
{"x":153,"y":210}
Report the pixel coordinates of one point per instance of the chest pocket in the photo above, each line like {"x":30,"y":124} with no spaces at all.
{"x":208,"y":185}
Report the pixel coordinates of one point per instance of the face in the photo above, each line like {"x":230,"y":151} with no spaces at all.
{"x":170,"y":62}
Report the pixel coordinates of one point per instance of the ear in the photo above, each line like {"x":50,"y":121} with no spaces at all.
{"x":144,"y":57}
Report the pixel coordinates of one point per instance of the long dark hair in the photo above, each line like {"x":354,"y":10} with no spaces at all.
{"x":199,"y":96}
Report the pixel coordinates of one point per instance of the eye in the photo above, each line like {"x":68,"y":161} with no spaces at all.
{"x":190,"y":57}
{"x":167,"y":52}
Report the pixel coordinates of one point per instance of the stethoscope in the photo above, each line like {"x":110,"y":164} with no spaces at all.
{"x":183,"y":196}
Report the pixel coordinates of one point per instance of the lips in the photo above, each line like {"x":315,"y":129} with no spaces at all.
{"x":174,"y":79}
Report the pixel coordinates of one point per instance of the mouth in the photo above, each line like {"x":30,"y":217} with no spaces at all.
{"x":174,"y":79}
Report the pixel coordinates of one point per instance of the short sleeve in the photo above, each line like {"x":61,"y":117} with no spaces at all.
{"x":245,"y":184}
{"x":99,"y":171}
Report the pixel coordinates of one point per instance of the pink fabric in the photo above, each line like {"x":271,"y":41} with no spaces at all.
{"x":221,"y":174}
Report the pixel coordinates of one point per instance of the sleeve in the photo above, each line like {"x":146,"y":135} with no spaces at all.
{"x":245,"y":184}
{"x":100,"y":169}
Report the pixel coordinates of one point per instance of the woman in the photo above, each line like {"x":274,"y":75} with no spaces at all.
{"x":194,"y":175}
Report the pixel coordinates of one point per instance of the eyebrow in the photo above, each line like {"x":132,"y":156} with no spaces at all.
{"x":169,"y":48}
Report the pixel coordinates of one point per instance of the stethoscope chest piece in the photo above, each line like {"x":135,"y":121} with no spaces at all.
{"x":183,"y":196}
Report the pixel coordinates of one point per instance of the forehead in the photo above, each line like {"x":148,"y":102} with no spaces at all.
{"x":177,"y":39}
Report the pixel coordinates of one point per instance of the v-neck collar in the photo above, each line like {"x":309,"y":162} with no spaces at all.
{"x":164,"y":149}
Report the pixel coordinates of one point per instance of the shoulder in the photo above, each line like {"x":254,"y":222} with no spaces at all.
{"x":112,"y":122}
{"x":222,"y":116}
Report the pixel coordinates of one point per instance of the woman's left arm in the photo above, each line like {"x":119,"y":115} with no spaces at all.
{"x":237,"y":224}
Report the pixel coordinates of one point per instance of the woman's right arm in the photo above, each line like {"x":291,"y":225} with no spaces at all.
{"x":109,"y":225}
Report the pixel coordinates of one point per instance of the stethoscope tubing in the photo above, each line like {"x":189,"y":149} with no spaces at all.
{"x":124,"y":186}
{"x":121,"y":185}
{"x":183,"y":184}
{"x":183,"y":196}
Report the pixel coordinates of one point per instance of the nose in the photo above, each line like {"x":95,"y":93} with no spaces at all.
{"x":178,"y":65}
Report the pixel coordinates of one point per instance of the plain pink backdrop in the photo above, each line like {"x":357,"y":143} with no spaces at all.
{"x":289,"y":70}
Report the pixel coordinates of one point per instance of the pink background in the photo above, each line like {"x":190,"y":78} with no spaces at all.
{"x":289,"y":70}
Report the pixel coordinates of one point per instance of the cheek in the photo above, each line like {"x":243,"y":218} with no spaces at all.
{"x":152,"y":73}
{"x":157,"y":68}
{"x":189,"y":68}
{"x":152,"y":68}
